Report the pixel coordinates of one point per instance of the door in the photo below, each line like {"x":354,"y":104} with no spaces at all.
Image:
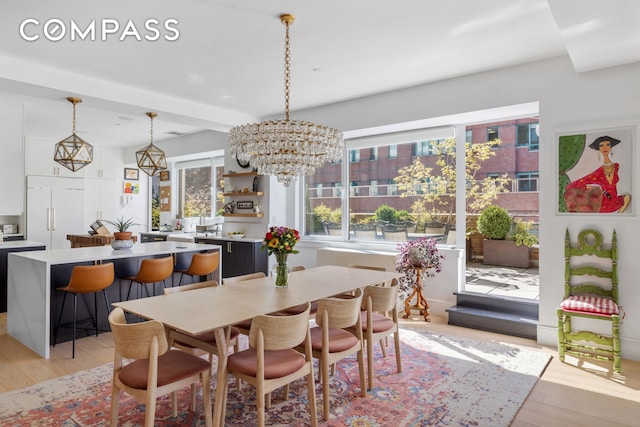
{"x":67,"y":215}
{"x":39,"y":215}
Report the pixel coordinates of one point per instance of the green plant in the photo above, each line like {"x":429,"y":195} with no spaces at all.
{"x":521,"y":233}
{"x":121,"y":225}
{"x":494,"y":223}
{"x":387,"y":213}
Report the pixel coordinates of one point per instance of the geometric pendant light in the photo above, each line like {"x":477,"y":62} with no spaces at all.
{"x":151,"y":159}
{"x":73,"y":152}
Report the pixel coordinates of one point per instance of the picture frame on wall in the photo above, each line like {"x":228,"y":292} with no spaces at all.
{"x":596,"y":171}
{"x":245,"y":205}
{"x":131,"y":188}
{"x":164,"y":176}
{"x":131,"y":174}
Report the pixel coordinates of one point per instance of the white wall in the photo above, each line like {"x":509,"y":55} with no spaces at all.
{"x":568,"y":101}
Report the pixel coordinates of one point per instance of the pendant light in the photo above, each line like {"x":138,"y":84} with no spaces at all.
{"x":73,"y":152}
{"x":151,"y":159}
{"x":286,"y":148}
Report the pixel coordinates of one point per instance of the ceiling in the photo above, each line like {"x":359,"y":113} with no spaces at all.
{"x":226,"y":66}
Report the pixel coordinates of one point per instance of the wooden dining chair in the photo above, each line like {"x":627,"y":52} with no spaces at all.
{"x":152,"y":271}
{"x":376,"y":301}
{"x":200,"y":344}
{"x":152,"y":368}
{"x":331,"y":341}
{"x":201,"y":265}
{"x":271,"y":360}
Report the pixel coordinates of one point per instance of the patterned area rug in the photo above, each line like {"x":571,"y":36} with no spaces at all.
{"x":445,"y":381}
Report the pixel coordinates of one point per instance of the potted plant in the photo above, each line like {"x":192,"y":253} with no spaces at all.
{"x":122,"y":228}
{"x":495,"y":224}
{"x":420,"y":254}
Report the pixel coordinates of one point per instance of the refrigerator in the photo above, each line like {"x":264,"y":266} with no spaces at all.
{"x":55,"y":208}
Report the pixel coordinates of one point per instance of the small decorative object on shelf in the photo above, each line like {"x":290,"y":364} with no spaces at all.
{"x":228,"y":207}
{"x":280,"y":241}
{"x":416,"y":259}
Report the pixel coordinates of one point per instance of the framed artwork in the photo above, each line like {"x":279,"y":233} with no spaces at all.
{"x":131,"y":174}
{"x":164,"y":176}
{"x":596,"y":171}
{"x":131,"y":188}
{"x":245,"y":205}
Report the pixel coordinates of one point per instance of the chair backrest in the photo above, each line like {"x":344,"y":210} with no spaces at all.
{"x":394,"y":233}
{"x":91,"y":278}
{"x":155,"y":269}
{"x":437,"y":230}
{"x":280,"y":332}
{"x":297,"y":268}
{"x":365,"y":234}
{"x":203,"y":264}
{"x":198,"y":285}
{"x":340,"y":312}
{"x":235,"y":279}
{"x":134,"y":341}
{"x":593,"y":275}
{"x":381,"y":298}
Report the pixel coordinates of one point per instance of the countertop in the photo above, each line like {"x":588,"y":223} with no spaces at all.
{"x":18,"y":244}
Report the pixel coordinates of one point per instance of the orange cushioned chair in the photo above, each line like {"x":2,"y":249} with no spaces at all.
{"x":153,"y":369}
{"x":201,"y":265}
{"x":85,"y":279}
{"x":152,"y":270}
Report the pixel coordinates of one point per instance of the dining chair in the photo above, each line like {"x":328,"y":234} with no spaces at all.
{"x":85,"y":279}
{"x":331,"y":341}
{"x":301,"y":307}
{"x":201,"y":265}
{"x":244,"y":326}
{"x":152,"y":271}
{"x":376,"y":301}
{"x":394,"y":233}
{"x":272,"y":361}
{"x":203,"y":343}
{"x":152,"y":368}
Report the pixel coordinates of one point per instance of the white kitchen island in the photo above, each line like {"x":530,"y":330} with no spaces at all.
{"x":30,"y":282}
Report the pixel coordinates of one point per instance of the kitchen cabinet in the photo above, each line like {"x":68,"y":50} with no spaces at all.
{"x":40,"y":160}
{"x":107,"y":164}
{"x":239,"y":256}
{"x":11,"y":160}
{"x":55,"y":208}
{"x":5,"y":249}
{"x":101,"y":199}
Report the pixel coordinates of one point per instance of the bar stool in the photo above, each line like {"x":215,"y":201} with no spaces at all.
{"x":201,"y":265}
{"x":152,"y":270}
{"x":85,"y":279}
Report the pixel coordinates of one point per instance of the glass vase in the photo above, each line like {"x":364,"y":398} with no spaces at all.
{"x":280,"y":271}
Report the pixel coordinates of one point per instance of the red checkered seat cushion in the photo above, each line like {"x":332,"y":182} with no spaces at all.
{"x":590,"y":304}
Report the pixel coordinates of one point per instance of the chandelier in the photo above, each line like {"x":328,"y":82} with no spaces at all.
{"x":73,"y":152}
{"x":286,"y":148}
{"x":151,"y":159}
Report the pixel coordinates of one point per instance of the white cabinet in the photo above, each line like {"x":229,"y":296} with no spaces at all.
{"x":11,"y":159}
{"x":101,"y":199}
{"x":40,"y":160}
{"x":107,"y":163}
{"x":55,"y":208}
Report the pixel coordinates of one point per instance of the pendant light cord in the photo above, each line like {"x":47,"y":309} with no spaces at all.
{"x":287,"y":68}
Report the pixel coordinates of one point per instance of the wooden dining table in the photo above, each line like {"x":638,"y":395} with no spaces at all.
{"x":215,"y":309}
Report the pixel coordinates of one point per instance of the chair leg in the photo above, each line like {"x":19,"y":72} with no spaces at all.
{"x":311,"y":387}
{"x":324,"y":367}
{"x":561,"y":346}
{"x":363,"y":384}
{"x":370,"y":362}
{"x":615,"y":343}
{"x":115,"y":403}
{"x":396,"y":339}
{"x":129,"y":293}
{"x":180,"y":281}
{"x":95,"y":304}
{"x":75,"y":315}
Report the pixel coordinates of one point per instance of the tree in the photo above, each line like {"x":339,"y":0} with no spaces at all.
{"x":435,"y":188}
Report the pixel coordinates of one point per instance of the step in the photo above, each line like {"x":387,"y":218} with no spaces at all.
{"x":510,"y":316}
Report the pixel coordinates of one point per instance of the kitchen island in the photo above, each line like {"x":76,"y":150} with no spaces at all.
{"x":33,"y":302}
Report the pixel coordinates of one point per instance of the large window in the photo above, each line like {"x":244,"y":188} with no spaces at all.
{"x":527,"y":181}
{"x":527,"y":135}
{"x":200,"y":185}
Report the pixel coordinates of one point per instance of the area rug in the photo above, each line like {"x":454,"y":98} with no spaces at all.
{"x":445,"y":381}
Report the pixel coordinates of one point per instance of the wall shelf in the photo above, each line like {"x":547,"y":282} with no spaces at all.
{"x":231,"y":175}
{"x":245,"y":215}
{"x":250,"y":193}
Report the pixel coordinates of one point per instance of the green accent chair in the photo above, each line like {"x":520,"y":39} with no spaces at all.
{"x":590,"y":292}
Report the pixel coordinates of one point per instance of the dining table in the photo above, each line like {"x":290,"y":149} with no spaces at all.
{"x":215,"y":309}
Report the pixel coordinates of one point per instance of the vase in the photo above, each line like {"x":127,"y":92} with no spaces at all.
{"x":280,"y":271}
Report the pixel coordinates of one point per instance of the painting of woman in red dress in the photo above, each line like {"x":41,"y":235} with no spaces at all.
{"x":602,"y":183}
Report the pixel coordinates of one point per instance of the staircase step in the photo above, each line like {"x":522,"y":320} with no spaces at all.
{"x":510,"y":316}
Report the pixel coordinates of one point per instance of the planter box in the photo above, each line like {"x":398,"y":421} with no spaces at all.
{"x":505,"y":253}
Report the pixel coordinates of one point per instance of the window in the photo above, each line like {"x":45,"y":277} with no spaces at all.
{"x":319,"y":190}
{"x":200,"y":186}
{"x":373,"y":187}
{"x":527,"y":135}
{"x":373,"y":153}
{"x":527,"y":181}
{"x":336,"y":188}
{"x":392,"y":188}
{"x":468,"y":137}
{"x":354,"y":156}
{"x":354,"y":188}
{"x":492,"y":133}
{"x":393,"y":151}
{"x":426,"y":148}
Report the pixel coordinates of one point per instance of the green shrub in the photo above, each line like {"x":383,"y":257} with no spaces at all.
{"x":521,"y":233}
{"x":494,"y":223}
{"x":387,"y":213}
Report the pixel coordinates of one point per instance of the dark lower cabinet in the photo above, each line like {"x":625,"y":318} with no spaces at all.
{"x":4,"y":254}
{"x":240,"y":257}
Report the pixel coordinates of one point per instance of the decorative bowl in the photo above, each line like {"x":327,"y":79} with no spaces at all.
{"x":235,"y":235}
{"x":121,"y":244}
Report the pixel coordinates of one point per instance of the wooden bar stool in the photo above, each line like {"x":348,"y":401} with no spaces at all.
{"x":201,"y":265}
{"x":85,"y":279}
{"x":152,"y":270}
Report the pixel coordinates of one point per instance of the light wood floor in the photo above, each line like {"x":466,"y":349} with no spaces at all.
{"x":569,"y":394}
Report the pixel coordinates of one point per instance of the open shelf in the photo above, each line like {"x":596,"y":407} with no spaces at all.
{"x":231,"y":175}
{"x":250,"y":193}
{"x":245,"y":215}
